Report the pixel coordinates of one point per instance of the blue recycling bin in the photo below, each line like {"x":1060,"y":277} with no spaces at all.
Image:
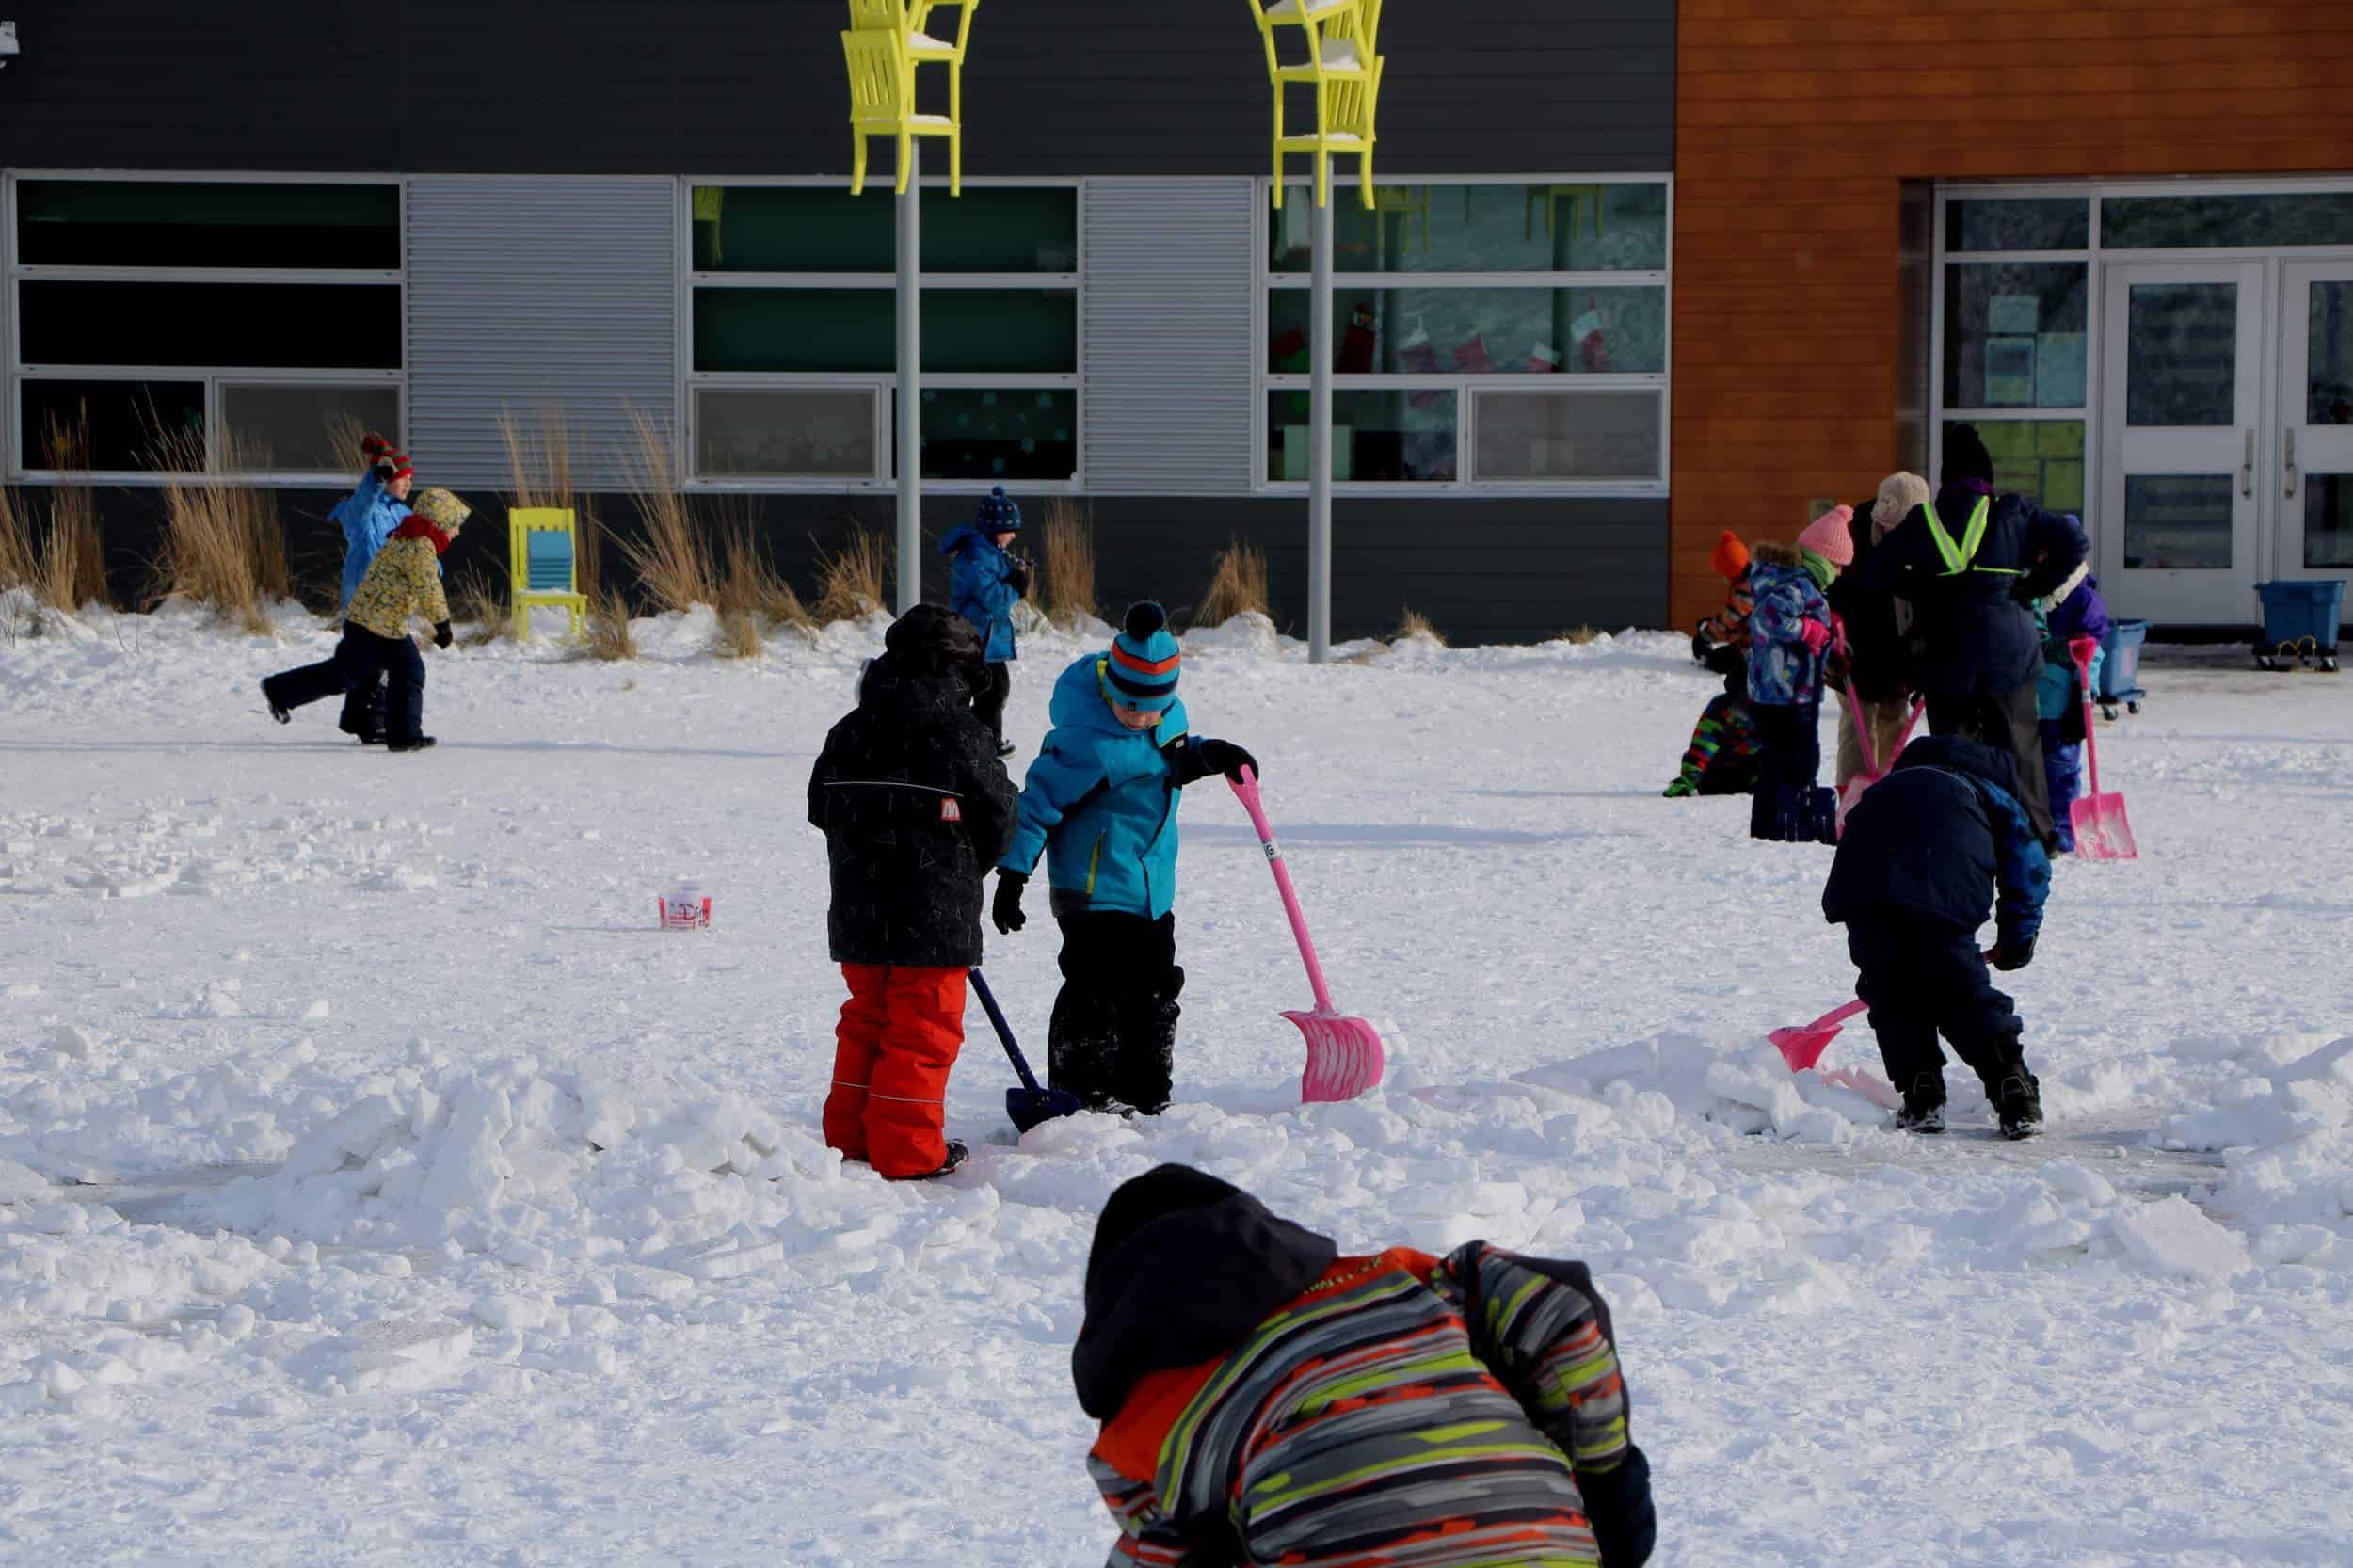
{"x":2119,"y":666}
{"x":2299,"y":623}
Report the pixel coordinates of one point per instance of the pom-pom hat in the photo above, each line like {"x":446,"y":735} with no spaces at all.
{"x":1730,"y":558}
{"x":1830,"y":537}
{"x":1141,"y":670}
{"x":997,"y":514}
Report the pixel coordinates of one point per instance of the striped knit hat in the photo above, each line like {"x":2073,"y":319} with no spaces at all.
{"x":997,"y":514}
{"x":1141,"y":670}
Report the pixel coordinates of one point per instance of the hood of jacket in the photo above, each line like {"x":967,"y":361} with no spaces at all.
{"x":1183,"y":1267}
{"x":964,"y":537}
{"x":1772,"y":553}
{"x":1956,"y":755}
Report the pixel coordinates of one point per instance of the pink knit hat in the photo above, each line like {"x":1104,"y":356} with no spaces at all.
{"x":1826,"y":537}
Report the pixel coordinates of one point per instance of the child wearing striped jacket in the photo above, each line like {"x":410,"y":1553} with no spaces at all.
{"x":1265,"y":1399}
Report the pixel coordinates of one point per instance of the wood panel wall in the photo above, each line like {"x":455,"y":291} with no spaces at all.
{"x":1797,"y":124}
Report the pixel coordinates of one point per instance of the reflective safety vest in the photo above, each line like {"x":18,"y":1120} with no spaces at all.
{"x":1961,"y":557}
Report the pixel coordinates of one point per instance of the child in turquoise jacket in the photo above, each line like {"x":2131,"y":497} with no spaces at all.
{"x":1100,"y":804}
{"x":985,"y":582}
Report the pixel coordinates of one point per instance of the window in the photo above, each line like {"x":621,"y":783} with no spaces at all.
{"x":1485,"y":334}
{"x":793,"y":376}
{"x":260,"y":323}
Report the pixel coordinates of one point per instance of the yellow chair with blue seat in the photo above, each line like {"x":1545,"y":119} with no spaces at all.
{"x":543,"y":563}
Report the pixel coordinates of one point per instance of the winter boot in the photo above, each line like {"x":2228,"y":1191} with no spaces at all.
{"x":1924,"y":1105}
{"x":276,"y":710}
{"x":2018,"y":1103}
{"x":417,"y":744}
{"x":1006,"y":748}
{"x":1083,"y":1046}
{"x":958,"y":1155}
{"x":1684,"y":788}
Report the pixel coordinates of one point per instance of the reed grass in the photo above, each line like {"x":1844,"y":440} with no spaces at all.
{"x":1066,"y":563}
{"x":1413,"y":624}
{"x":222,"y":546}
{"x":1238,"y":583}
{"x":850,"y":581}
{"x":672,"y":559}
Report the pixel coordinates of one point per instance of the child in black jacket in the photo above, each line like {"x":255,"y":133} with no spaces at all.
{"x":1926,"y":851}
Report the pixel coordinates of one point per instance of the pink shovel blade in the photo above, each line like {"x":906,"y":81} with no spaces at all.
{"x":2102,"y":831}
{"x":1344,"y":1056}
{"x":1802,"y":1046}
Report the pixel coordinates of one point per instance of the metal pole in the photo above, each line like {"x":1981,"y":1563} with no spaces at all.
{"x":1320,"y":444}
{"x":910,"y":400}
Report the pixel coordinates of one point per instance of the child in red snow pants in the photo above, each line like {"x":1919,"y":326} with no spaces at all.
{"x":898,"y":1037}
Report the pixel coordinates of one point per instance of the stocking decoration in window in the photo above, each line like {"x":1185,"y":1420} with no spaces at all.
{"x":1472,"y":356}
{"x":1544,"y":360}
{"x":1360,"y":344}
{"x":1419,"y":359}
{"x":1591,"y":345}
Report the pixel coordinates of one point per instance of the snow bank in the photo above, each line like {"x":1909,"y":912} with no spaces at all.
{"x":2287,"y":1143}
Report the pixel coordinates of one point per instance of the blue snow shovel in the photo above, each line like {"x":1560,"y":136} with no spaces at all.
{"x":1030,"y":1104}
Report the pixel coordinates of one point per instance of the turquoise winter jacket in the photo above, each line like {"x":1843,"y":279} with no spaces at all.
{"x":1100,"y":800}
{"x":368,"y":516}
{"x":980,"y":586}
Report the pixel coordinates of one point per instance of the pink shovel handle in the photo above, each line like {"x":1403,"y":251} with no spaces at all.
{"x":1838,"y":1016}
{"x":1246,"y":791}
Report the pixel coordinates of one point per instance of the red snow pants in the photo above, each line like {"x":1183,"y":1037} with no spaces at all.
{"x":898,"y":1037}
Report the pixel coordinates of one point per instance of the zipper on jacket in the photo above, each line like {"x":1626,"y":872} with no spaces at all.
{"x":1093,"y":860}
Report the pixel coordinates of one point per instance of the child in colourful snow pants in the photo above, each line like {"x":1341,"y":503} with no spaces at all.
{"x":915,"y":807}
{"x":1101,"y":805}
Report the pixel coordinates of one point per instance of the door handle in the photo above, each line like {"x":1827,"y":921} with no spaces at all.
{"x":2291,"y":463}
{"x":2247,"y":468}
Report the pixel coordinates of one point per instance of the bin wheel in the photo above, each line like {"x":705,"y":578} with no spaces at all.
{"x":2328,"y":663}
{"x":2107,"y":711}
{"x":2267,"y":662}
{"x":2132,"y":707}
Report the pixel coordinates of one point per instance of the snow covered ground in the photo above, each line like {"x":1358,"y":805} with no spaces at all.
{"x":378,"y":1185}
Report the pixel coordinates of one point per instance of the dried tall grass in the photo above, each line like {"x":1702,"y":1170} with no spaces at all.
{"x":222,"y":547}
{"x":19,"y":562}
{"x":609,"y":636}
{"x":850,"y":581}
{"x":1237,"y":584}
{"x":71,"y":570}
{"x":539,"y":473}
{"x":673,"y":560}
{"x":1412,"y":624}
{"x":1066,"y":564}
{"x":752,"y":597}
{"x":344,"y":433}
{"x":1580,"y":636}
{"x":479,"y":600}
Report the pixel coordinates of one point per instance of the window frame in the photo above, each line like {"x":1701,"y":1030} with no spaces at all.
{"x":884,"y":384}
{"x":15,"y":370}
{"x":1265,"y":280}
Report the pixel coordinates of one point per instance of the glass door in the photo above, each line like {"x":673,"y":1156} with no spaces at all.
{"x":2315,"y":469}
{"x":2180,"y":426}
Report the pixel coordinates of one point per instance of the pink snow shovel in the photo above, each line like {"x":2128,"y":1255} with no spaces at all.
{"x":1802,"y":1046}
{"x":1873,"y":768}
{"x":2102,"y":832}
{"x":1344,"y":1056}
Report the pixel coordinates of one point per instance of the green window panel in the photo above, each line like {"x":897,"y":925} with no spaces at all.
{"x":1011,"y":433}
{"x":1031,"y":332}
{"x":825,"y":228}
{"x":2197,"y":223}
{"x":2007,"y":223}
{"x":1378,"y":437}
{"x":2015,"y":335}
{"x":164,"y":223}
{"x":2042,"y":460}
{"x":1550,"y":227}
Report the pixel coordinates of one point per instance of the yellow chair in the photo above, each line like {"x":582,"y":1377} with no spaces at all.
{"x":1345,"y":71}
{"x":543,"y":563}
{"x":882,"y":104}
{"x":911,"y":20}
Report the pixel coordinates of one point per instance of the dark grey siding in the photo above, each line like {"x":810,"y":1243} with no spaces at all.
{"x":721,"y":86}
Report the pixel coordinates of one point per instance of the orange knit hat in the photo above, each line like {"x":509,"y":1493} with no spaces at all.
{"x":1731,"y":557}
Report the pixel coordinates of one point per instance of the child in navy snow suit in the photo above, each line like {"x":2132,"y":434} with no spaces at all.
{"x":1721,"y":758}
{"x":1100,"y":804}
{"x":2074,"y":609}
{"x":1790,"y":633}
{"x":1926,"y":851}
{"x":377,"y":505}
{"x":915,"y":808}
{"x":1266,"y":1400}
{"x":985,"y":582}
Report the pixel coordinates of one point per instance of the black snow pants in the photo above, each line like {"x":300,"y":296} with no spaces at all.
{"x":2007,"y":720}
{"x":1113,"y":1038}
{"x":1788,"y":804}
{"x":359,"y":660}
{"x":988,"y":703}
{"x":1924,"y":978}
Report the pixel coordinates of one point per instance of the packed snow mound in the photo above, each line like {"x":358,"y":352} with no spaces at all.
{"x":508,"y":1157}
{"x":2287,"y":1143}
{"x":1250,"y":632}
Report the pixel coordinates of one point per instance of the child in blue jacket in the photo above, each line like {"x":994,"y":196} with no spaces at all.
{"x":983,"y":583}
{"x":1100,"y":804}
{"x":377,"y":505}
{"x":1790,"y":632}
{"x":2074,"y":609}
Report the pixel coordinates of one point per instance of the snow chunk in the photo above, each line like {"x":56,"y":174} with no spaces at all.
{"x":2172,"y":1237}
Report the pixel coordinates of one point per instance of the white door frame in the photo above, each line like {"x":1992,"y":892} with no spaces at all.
{"x":2302,"y":447}
{"x":2192,"y":595}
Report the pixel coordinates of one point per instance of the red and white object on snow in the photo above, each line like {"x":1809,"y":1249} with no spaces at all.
{"x":1344,"y":1054}
{"x":2102,"y":832}
{"x":683,"y":907}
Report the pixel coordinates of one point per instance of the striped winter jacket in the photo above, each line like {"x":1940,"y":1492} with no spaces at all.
{"x":1403,"y":1411}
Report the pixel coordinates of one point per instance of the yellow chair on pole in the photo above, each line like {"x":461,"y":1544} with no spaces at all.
{"x":882,"y":104}
{"x":1345,"y":71}
{"x":911,"y":20}
{"x":543,"y":563}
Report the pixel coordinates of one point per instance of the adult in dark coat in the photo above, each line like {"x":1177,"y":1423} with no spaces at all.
{"x":1979,"y":653}
{"x":1927,"y":850}
{"x":915,"y":808}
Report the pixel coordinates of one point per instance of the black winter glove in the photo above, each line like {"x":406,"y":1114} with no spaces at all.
{"x":2012,"y":955}
{"x":442,"y":637}
{"x":1006,"y":910}
{"x":1701,"y":647}
{"x":1228,"y":758}
{"x":1018,"y":579}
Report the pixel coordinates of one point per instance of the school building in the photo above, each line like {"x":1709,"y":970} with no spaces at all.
{"x":1635,"y":272}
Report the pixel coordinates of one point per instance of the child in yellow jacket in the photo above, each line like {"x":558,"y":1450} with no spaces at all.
{"x":404,"y":581}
